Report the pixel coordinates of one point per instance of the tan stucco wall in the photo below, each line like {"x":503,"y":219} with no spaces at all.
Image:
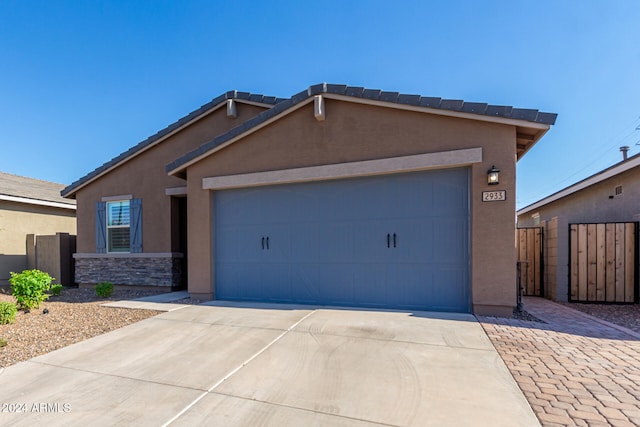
{"x":589,"y":205}
{"x":593,"y":204}
{"x":354,"y":132}
{"x":17,"y":220}
{"x":145,"y":177}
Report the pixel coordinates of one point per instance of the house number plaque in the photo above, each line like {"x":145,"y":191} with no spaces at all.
{"x":494,"y":196}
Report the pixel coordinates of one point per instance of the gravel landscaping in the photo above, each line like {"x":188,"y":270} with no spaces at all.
{"x":74,"y":316}
{"x":627,"y":315}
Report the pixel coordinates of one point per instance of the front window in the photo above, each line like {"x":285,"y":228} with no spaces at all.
{"x":118,"y":223}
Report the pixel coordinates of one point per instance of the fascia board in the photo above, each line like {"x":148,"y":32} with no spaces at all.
{"x":38,"y":202}
{"x":595,"y":179}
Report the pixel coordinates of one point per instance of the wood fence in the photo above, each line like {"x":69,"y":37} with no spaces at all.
{"x":529,"y":249}
{"x":602,"y":262}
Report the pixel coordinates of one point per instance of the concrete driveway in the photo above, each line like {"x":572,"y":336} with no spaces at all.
{"x":254,"y":364}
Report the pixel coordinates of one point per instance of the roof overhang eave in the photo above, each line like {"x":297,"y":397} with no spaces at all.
{"x":587,"y":182}
{"x":37,"y":202}
{"x":181,"y":170}
{"x":69,"y":192}
{"x":523,"y":149}
{"x":539,"y":128}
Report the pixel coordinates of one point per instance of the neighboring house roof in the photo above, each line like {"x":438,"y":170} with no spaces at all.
{"x":250,"y":98}
{"x":20,"y":189}
{"x":531,"y":124}
{"x":604,"y":174}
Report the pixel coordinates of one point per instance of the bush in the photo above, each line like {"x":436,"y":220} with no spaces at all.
{"x":104,"y":289}
{"x":29,"y":287}
{"x":8,"y":312}
{"x":55,"y":290}
{"x":3,"y":342}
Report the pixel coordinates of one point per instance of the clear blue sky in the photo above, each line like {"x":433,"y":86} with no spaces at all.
{"x":83,"y":81}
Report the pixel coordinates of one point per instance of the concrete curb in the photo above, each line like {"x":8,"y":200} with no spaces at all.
{"x":589,"y":317}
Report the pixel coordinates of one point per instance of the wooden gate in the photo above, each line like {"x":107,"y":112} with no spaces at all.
{"x":602,"y":262}
{"x":529,"y":248}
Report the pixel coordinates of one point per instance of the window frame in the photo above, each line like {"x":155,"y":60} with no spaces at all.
{"x":109,"y":227}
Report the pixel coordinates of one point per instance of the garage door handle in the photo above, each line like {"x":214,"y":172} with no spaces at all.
{"x":267,"y":243}
{"x":388,"y":242}
{"x":394,"y":240}
{"x":263,"y":243}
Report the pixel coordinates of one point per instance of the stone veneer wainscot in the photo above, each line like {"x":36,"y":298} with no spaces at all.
{"x":144,"y":269}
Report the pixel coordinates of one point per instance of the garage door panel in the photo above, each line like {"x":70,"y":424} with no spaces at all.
{"x":332,"y":242}
{"x":413,"y":241}
{"x":239,"y":206}
{"x":449,"y":240}
{"x":305,"y":282}
{"x":336,"y":242}
{"x":304,"y":204}
{"x":401,"y":193}
{"x":371,"y":285}
{"x":410,"y":285}
{"x":304,"y":242}
{"x":338,"y":284}
{"x":243,"y":242}
{"x":368,"y":197}
{"x":227,"y":238}
{"x":239,"y":281}
{"x":449,"y":290}
{"x":276,"y":282}
{"x":450,"y":197}
{"x":268,"y":206}
{"x":370,"y":241}
{"x":277,"y":243}
{"x":228,"y":281}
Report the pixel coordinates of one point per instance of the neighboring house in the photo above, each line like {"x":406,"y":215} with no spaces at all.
{"x":29,"y":206}
{"x":337,"y":196}
{"x":593,"y":207}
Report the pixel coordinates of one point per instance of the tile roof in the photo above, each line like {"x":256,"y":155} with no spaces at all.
{"x":430,"y":102}
{"x":477,"y":108}
{"x":281,"y":104}
{"x":233,"y":94}
{"x":27,"y":189}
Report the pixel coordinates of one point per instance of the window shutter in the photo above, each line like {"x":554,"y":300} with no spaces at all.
{"x":101,"y":227}
{"x":136,"y":225}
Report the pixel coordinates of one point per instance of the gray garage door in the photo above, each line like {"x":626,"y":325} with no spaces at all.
{"x":393,"y":241}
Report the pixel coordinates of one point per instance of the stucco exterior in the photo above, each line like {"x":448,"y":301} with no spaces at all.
{"x":17,"y":220}
{"x":593,"y":200}
{"x":355,"y":132}
{"x":144,"y":177}
{"x":305,"y":132}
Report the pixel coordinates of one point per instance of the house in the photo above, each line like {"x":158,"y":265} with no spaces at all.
{"x":339,"y":195}
{"x":589,"y":234}
{"x":29,"y":207}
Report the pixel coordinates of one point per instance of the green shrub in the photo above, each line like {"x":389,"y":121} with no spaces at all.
{"x":29,"y":287}
{"x":104,"y":289}
{"x":55,"y":290}
{"x":8,"y":312}
{"x":3,"y":342}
